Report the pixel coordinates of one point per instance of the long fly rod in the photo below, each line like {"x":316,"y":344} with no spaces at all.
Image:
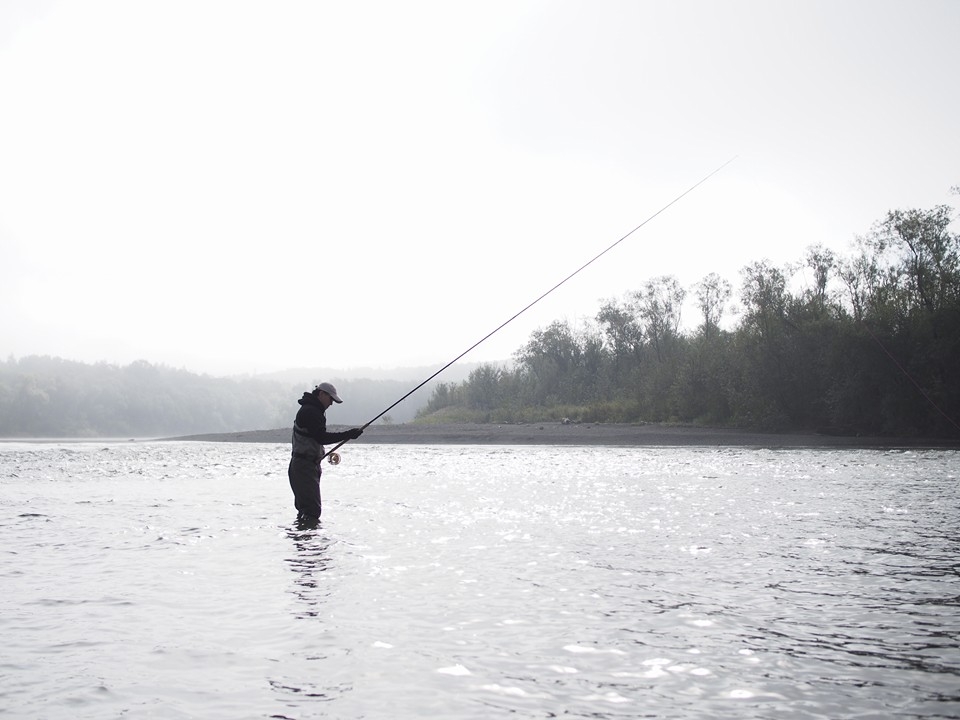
{"x":332,"y":453}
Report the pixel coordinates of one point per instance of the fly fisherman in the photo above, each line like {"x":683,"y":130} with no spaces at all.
{"x":309,"y":436}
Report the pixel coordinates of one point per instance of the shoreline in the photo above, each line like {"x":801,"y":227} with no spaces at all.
{"x":611,"y":434}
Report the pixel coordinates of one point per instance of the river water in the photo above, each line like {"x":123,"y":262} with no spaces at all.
{"x":168,"y":580}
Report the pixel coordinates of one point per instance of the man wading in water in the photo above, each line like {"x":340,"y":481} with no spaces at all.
{"x":309,"y":436}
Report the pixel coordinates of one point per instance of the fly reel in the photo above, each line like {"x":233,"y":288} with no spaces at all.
{"x":334,"y":458}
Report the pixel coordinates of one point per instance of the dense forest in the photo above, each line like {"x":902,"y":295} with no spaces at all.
{"x":47,"y":397}
{"x":862,"y":344}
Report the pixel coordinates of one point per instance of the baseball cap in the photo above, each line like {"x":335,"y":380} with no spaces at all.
{"x":329,"y":390}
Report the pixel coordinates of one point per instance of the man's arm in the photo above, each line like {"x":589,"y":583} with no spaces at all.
{"x":315,"y":424}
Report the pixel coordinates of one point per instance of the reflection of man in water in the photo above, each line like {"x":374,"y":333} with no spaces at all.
{"x":310,"y":559}
{"x":309,"y":436}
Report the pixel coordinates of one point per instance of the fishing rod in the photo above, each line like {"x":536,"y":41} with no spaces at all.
{"x":335,"y":456}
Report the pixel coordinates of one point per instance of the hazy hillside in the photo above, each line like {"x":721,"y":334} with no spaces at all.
{"x":42,"y":396}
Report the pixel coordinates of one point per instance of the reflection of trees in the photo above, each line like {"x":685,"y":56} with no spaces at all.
{"x":309,"y":559}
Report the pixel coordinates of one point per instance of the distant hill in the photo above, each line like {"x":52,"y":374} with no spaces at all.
{"x":43,"y":396}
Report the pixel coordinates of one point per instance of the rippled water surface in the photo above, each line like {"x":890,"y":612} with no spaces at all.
{"x":168,"y":580}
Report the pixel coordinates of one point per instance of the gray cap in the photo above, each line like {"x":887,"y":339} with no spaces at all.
{"x":329,"y":390}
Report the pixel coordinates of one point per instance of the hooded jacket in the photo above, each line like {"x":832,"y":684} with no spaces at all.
{"x":310,"y":429}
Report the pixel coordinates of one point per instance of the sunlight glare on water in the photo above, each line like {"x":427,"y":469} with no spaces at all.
{"x":169,"y":580}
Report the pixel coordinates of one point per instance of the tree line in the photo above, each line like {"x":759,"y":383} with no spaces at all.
{"x":864,"y":343}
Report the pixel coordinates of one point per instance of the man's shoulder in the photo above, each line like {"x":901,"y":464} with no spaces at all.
{"x":313,"y":412}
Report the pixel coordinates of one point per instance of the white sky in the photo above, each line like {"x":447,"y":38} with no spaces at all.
{"x":235,"y":187}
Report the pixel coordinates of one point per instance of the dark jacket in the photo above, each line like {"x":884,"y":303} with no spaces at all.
{"x":310,"y":429}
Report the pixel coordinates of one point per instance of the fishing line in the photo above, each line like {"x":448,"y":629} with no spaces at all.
{"x":335,"y":457}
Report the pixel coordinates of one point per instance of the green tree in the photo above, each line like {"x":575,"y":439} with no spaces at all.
{"x":482,"y":390}
{"x":927,"y":252}
{"x":659,"y":305}
{"x":549,"y":358}
{"x":712,"y":293}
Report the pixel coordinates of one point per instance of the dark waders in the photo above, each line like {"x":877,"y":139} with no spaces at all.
{"x":304,"y":474}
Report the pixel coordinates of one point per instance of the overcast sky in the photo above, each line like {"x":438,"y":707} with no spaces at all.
{"x":238,"y":187}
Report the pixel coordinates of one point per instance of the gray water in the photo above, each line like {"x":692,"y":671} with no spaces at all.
{"x":168,"y":580}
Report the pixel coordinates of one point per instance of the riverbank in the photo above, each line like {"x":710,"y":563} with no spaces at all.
{"x":611,"y":434}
